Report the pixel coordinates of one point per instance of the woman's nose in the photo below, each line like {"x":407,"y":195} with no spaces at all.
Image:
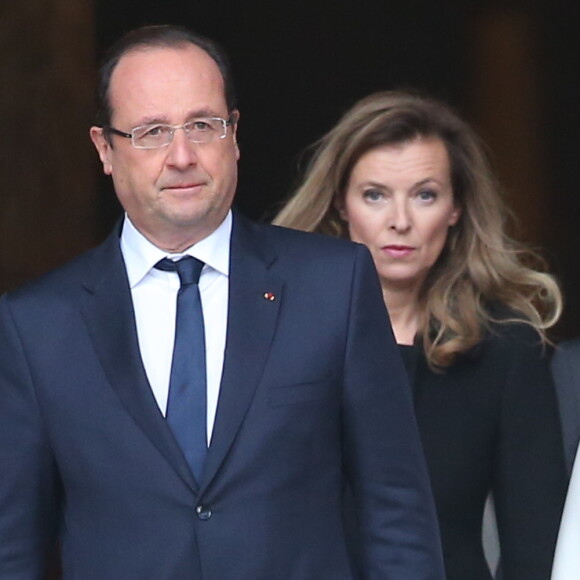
{"x":399,"y":218}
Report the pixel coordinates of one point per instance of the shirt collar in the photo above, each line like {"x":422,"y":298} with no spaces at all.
{"x":141,"y":255}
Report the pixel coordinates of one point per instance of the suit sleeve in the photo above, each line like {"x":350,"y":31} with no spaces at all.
{"x":566,"y":372}
{"x":398,"y":532}
{"x":28,"y":483}
{"x":529,"y":476}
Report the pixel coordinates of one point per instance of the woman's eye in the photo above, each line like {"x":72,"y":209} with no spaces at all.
{"x":373,"y":195}
{"x":426,"y":195}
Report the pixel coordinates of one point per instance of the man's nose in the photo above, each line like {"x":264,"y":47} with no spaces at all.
{"x":181,"y":152}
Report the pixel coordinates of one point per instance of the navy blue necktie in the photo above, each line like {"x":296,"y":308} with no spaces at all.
{"x":186,"y":406}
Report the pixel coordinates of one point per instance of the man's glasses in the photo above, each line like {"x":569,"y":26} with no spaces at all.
{"x":201,"y":130}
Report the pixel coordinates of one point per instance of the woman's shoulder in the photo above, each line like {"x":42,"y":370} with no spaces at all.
{"x":508,"y":327}
{"x":506,"y":334}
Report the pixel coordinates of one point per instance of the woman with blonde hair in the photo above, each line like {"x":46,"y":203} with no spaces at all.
{"x":403,"y":174}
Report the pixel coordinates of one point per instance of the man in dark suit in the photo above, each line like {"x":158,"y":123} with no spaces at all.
{"x":302,"y":387}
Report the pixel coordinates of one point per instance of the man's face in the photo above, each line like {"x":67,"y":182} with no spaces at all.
{"x":179,"y":194}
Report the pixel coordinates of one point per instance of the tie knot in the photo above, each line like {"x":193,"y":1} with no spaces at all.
{"x":188,"y":269}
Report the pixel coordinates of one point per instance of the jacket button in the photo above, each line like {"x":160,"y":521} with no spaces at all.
{"x":203,"y":512}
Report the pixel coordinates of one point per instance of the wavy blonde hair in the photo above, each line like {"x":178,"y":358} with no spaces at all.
{"x":480,"y":265}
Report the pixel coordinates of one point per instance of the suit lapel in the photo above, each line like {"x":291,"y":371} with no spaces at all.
{"x":254,"y":300}
{"x":108,"y":312}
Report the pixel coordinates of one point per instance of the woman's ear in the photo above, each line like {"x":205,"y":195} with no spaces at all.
{"x":454,"y":216}
{"x":339,"y":205}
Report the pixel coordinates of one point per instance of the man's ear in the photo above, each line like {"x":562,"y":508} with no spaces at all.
{"x":234,"y":126}
{"x":103,"y":148}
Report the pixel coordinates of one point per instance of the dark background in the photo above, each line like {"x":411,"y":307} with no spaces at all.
{"x":299,"y":65}
{"x":510,"y":67}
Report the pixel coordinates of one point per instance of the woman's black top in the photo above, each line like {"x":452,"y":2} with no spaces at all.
{"x":490,"y":423}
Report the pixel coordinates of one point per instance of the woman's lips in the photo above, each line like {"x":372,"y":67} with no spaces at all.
{"x":397,"y":251}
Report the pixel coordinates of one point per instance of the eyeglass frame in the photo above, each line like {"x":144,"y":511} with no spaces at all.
{"x":230,"y":121}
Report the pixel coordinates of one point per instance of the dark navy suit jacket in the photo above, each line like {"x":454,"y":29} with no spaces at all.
{"x":313,"y":392}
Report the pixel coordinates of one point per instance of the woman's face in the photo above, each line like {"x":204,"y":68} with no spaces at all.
{"x":399,"y":203}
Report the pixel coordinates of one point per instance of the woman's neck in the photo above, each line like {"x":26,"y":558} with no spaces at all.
{"x":403,"y":307}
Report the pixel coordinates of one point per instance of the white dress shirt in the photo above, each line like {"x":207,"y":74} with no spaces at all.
{"x":567,"y":557}
{"x":154,"y":294}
